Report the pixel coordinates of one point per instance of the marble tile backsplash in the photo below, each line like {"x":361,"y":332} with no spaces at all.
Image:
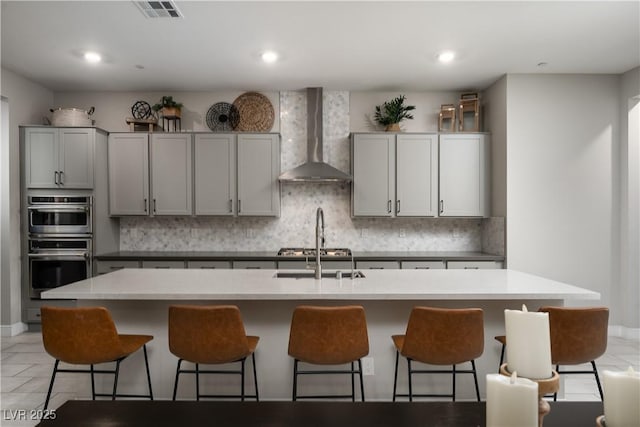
{"x":296,"y":225}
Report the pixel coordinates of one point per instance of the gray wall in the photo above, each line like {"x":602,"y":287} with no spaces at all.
{"x":28,"y":102}
{"x":562,"y":188}
{"x":627,"y":296}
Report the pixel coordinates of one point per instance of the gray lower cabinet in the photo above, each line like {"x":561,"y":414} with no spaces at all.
{"x":209,"y":264}
{"x":163,"y":264}
{"x":107,"y":266}
{"x":150,"y":175}
{"x":377,"y":265}
{"x":257,"y":265}
{"x":395,"y":175}
{"x":422,"y":265}
{"x":326,"y":265}
{"x":60,"y":158}
{"x":474,"y":265}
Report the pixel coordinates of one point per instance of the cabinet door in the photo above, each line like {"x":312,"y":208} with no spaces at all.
{"x":463,"y":175}
{"x":76,"y":150}
{"x":416,"y":175}
{"x":373,"y":171}
{"x":215,"y":174}
{"x":128,"y":155}
{"x":41,"y":157}
{"x":171,"y":179}
{"x":258,"y":171}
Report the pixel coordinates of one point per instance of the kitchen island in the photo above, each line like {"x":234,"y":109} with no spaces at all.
{"x":139,"y":301}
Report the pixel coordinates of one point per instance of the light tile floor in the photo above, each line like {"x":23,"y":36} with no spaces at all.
{"x":26,"y":372}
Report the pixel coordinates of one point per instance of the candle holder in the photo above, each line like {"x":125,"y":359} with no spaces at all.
{"x":545,"y":386}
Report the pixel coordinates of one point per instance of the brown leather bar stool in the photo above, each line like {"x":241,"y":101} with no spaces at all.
{"x":328,"y":336}
{"x":440,"y":336}
{"x":578,"y":336}
{"x":88,"y":336}
{"x":211,"y":335}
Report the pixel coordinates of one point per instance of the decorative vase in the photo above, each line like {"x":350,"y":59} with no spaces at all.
{"x":393,"y":127}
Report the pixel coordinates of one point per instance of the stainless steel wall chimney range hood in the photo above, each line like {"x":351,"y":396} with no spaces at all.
{"x":315,"y":169}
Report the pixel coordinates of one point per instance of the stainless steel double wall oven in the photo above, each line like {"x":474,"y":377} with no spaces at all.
{"x":60,"y":240}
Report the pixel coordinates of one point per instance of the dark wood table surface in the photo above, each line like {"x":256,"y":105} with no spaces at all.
{"x":161,"y":413}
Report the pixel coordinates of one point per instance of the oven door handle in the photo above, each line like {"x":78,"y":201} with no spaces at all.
{"x":60,"y":256}
{"x":65,"y":209}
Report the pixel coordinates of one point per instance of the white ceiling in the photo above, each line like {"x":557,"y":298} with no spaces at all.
{"x":338,"y":45}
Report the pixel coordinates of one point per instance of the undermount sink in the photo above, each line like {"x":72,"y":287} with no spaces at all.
{"x":310,"y":274}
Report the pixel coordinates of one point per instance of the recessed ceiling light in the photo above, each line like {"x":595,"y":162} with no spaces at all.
{"x":269,"y":57}
{"x":446,"y":56}
{"x":92,"y":57}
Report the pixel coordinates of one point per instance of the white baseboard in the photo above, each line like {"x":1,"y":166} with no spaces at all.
{"x":624,"y":332}
{"x":13,"y":330}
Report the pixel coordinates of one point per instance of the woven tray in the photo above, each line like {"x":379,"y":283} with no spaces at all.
{"x":256,"y":112}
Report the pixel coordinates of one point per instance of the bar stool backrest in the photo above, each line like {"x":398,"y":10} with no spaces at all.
{"x":578,"y":334}
{"x":328,"y":335}
{"x":207,"y":334}
{"x":442,"y":336}
{"x":82,"y":335}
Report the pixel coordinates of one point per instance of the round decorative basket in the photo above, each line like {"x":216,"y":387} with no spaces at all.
{"x":256,"y":112}
{"x":223,"y":117}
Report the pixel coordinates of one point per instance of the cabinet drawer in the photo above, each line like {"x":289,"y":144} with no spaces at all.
{"x":208,"y":264}
{"x":162,"y":264}
{"x":326,"y":265}
{"x":378,"y":265}
{"x":113,"y":265}
{"x":422,"y":265}
{"x":268,"y":265}
{"x":474,"y":265}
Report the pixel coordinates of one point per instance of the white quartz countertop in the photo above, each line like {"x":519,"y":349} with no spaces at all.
{"x":221,"y":284}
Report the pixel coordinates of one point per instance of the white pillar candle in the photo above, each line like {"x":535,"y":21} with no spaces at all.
{"x":511,"y":401}
{"x":622,"y":398}
{"x":528,"y":343}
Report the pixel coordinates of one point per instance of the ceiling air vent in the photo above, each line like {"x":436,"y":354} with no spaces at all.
{"x":159,"y":9}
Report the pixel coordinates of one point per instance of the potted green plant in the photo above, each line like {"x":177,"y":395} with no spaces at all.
{"x":391,"y":113}
{"x":168,"y":106}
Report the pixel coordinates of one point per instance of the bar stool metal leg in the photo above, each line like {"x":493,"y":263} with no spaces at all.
{"x":395,"y":377}
{"x":410,"y":386}
{"x":295,"y":379}
{"x":454,"y":382}
{"x":242,"y":379}
{"x":197,"y":381}
{"x":53,"y":377}
{"x":146,"y":364}
{"x":175,"y":385}
{"x":475,"y":379}
{"x":93,"y":384}
{"x":255,"y":377}
{"x":353,"y":383}
{"x":361,"y":380}
{"x":115,"y":379}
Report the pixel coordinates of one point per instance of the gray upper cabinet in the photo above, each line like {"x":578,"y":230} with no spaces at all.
{"x":373,"y":167}
{"x":258,"y":171}
{"x":59,"y":157}
{"x":464,"y":175}
{"x":150,"y":175}
{"x":215,"y":174}
{"x":128,"y":155}
{"x":171,"y":173}
{"x":395,"y":174}
{"x":237,"y":174}
{"x":416,"y":175}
